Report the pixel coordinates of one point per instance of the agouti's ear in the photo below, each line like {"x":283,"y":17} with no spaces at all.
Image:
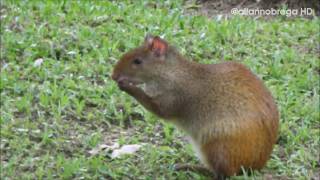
{"x":157,"y":45}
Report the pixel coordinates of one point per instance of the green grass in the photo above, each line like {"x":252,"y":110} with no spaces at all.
{"x":53,"y":115}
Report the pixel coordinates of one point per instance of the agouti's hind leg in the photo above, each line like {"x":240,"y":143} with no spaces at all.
{"x":197,"y":169}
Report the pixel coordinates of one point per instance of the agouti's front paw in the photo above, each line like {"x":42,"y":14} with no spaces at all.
{"x":129,"y":88}
{"x":123,"y":85}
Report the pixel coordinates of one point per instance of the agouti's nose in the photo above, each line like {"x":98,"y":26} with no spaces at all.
{"x":118,"y":78}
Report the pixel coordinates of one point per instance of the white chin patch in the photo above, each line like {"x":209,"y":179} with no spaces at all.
{"x":142,"y":86}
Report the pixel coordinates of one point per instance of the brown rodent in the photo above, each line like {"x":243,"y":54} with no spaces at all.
{"x":230,"y":116}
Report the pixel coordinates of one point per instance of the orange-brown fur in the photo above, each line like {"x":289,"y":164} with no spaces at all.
{"x":224,"y":108}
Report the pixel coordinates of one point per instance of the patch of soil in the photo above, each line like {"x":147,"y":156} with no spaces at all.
{"x":213,"y":8}
{"x":316,"y":176}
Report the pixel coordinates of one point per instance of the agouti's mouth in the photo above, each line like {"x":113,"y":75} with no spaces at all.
{"x":130,"y":82}
{"x":133,"y":82}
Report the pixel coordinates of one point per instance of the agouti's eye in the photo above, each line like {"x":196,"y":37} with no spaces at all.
{"x":137,"y":61}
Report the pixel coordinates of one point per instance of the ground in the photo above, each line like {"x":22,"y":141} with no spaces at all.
{"x":58,"y":102}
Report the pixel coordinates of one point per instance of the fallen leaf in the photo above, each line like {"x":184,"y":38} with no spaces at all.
{"x":5,"y":65}
{"x":71,"y":53}
{"x":126,"y":149}
{"x":22,"y":130}
{"x":38,"y":62}
{"x":103,"y":147}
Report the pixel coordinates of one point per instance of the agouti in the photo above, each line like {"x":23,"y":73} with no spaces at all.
{"x":229,"y":114}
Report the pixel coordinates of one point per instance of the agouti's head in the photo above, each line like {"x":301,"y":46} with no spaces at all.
{"x":141,"y":64}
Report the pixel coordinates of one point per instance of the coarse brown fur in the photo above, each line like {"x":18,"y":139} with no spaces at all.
{"x":226,"y":110}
